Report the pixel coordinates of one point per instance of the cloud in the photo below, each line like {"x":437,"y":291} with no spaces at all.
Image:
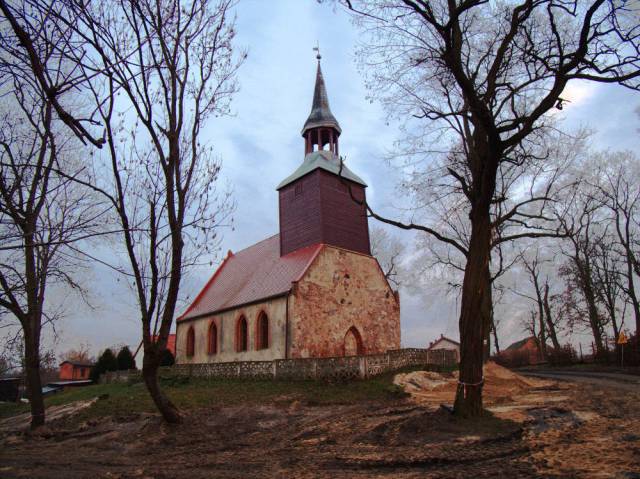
{"x":261,"y":144}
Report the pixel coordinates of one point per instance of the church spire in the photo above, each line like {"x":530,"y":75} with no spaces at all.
{"x":321,"y":128}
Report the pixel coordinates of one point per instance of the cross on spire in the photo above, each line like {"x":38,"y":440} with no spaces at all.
{"x":321,"y":127}
{"x":317,"y":49}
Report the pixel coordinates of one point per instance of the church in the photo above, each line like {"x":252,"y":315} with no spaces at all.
{"x":313,"y":290}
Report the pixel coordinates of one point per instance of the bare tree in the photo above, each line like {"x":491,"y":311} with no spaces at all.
{"x":388,"y":250}
{"x":485,"y":75}
{"x":583,"y":221}
{"x":616,"y":182}
{"x":533,"y":263}
{"x":157,"y":71}
{"x":36,"y":47}
{"x":527,"y":189}
{"x":41,"y":213}
{"x":81,"y":353}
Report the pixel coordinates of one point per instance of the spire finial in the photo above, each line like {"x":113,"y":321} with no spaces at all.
{"x":320,"y":115}
{"x":317,"y":49}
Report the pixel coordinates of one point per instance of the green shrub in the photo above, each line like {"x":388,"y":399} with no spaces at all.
{"x":125,"y":359}
{"x":167,"y":358}
{"x":106,"y":362}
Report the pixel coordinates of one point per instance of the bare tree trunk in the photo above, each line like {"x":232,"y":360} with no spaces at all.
{"x":473,"y":316}
{"x":631,"y":291}
{"x":495,"y":333}
{"x":543,"y":337}
{"x":550,"y":325}
{"x":487,"y":305}
{"x":150,"y":365}
{"x":34,"y":383}
{"x":594,"y":321}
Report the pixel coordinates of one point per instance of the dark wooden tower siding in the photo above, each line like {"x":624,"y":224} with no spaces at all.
{"x":316,"y":205}
{"x":318,"y":208}
{"x":300,"y":213}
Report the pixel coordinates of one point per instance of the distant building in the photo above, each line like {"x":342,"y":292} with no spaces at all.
{"x":171,"y":343}
{"x":75,"y":370}
{"x":313,"y":290}
{"x":445,"y":343}
{"x":171,"y":346}
{"x":10,"y":389}
{"x":523,"y":352}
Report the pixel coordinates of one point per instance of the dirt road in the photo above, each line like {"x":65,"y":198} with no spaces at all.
{"x":628,"y":382}
{"x":551,"y":431}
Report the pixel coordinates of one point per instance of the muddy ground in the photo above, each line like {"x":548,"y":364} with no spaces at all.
{"x":536,"y":429}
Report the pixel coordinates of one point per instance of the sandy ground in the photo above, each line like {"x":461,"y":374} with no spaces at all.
{"x":538,"y":428}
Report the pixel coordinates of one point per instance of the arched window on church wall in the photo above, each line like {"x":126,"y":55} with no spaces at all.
{"x":242,"y":335}
{"x":353,"y":343}
{"x":191,"y":342}
{"x":262,"y":331}
{"x":212,"y":339}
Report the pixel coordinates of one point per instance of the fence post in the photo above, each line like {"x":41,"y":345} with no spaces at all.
{"x":275,"y":368}
{"x":238,"y":370}
{"x":315,"y":368}
{"x":362,"y":364}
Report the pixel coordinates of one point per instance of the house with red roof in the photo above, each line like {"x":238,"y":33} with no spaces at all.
{"x":445,"y":343}
{"x":75,"y":370}
{"x":313,"y":289}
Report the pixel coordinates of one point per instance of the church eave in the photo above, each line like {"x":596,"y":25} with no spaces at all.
{"x":237,"y":306}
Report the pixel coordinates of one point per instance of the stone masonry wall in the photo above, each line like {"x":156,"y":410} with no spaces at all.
{"x":322,"y":369}
{"x":226,"y":324}
{"x":341,"y":290}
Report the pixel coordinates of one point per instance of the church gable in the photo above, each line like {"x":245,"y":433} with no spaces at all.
{"x":343,"y":299}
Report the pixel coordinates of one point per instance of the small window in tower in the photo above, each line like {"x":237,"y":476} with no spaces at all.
{"x":298,"y":189}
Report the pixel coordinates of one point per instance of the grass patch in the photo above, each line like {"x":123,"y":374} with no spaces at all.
{"x":122,"y":400}
{"x":8,"y":409}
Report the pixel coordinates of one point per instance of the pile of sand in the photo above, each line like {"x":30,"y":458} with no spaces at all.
{"x":500,"y":384}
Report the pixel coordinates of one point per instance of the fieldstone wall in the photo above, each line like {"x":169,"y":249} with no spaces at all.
{"x":120,"y":376}
{"x":343,"y":290}
{"x":326,"y":369}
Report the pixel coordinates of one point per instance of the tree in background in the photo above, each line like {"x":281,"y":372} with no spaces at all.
{"x":480,"y":78}
{"x":154,"y":71}
{"x":167,"y":358}
{"x":389,"y":251}
{"x":80,"y":354}
{"x":125,"y":359}
{"x":616,"y":183}
{"x":43,"y":211}
{"x":107,"y":361}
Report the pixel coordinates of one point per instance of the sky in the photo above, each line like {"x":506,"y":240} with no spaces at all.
{"x":260,"y":144}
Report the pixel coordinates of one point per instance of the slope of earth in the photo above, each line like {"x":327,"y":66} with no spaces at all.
{"x":538,"y":429}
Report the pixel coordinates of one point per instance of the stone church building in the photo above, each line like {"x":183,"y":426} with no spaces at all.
{"x":313,"y":290}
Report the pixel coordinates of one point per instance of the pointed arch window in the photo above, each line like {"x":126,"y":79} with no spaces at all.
{"x":262,"y":331}
{"x":191,"y":342}
{"x":212,"y":339}
{"x":242,"y":335}
{"x":352,"y":345}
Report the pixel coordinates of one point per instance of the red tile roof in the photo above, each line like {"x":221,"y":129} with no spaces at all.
{"x":171,"y":343}
{"x":255,"y":273}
